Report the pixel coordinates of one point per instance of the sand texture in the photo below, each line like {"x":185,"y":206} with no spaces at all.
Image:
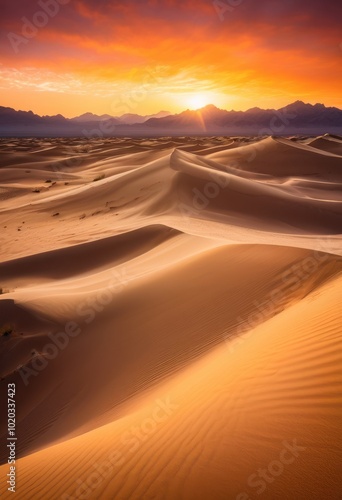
{"x":170,"y":313}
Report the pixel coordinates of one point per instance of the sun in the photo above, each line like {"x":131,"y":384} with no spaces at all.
{"x":197,"y":101}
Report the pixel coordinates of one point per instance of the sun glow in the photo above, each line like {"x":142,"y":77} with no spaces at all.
{"x":197,"y":101}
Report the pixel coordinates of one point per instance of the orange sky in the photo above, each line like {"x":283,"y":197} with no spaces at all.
{"x":145,"y":56}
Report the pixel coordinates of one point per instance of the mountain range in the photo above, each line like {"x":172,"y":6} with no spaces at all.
{"x":126,"y":119}
{"x":296,"y":118}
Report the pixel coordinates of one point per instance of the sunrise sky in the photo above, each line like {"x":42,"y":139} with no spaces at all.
{"x":145,"y":56}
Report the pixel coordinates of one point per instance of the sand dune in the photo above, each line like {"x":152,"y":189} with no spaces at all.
{"x":330,"y":143}
{"x":170,"y":315}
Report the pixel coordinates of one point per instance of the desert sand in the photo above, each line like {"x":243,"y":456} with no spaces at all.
{"x":170,"y":315}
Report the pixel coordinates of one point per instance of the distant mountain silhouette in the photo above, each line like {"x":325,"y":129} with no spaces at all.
{"x":131,"y":118}
{"x":296,"y":118}
{"x":90,"y":117}
{"x":127,"y":119}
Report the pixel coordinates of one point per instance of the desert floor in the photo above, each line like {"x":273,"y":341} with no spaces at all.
{"x":170,"y":313}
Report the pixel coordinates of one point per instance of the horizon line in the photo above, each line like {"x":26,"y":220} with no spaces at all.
{"x":170,"y":113}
